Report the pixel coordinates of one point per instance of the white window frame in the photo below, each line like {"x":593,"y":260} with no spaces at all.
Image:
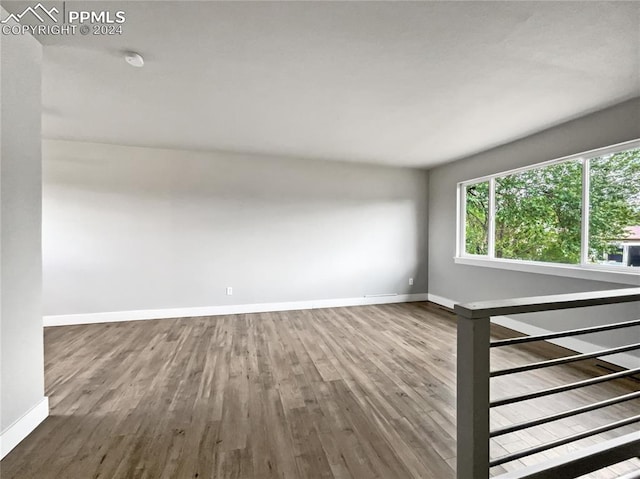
{"x":584,"y":269}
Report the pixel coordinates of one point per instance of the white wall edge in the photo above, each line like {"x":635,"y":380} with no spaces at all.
{"x":593,"y":273}
{"x":624,"y":360}
{"x":117,"y":316}
{"x":16,"y":432}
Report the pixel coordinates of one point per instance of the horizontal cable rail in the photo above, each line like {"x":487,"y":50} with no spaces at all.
{"x":534,"y":304}
{"x":564,"y":334}
{"x":564,"y":360}
{"x":564,"y":387}
{"x":556,"y":417}
{"x":564,"y":440}
{"x":583,"y":461}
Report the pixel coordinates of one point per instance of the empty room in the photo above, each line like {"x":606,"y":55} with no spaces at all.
{"x":319,"y":239}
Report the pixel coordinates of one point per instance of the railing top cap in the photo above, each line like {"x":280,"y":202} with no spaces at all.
{"x":484,"y":309}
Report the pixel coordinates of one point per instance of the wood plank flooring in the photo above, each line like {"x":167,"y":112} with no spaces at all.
{"x":364,"y":392}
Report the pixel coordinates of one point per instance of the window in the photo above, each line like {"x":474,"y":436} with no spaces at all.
{"x":477,"y":218}
{"x":614,"y":208}
{"x":538,"y":214}
{"x":579,"y":211}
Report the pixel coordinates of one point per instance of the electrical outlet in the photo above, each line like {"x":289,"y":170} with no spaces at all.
{"x":229,"y":290}
{"x":410,"y":281}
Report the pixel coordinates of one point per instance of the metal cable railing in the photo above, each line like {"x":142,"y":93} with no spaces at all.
{"x":565,"y":360}
{"x":564,"y":334}
{"x":473,"y":387}
{"x":563,"y":441}
{"x":556,"y":417}
{"x":564,"y":387}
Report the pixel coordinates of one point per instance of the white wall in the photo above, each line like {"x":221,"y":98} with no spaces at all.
{"x":463,"y":283}
{"x":127,"y":228}
{"x":21,"y":356}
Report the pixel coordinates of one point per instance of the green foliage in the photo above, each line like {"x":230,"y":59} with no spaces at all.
{"x":477,"y":218}
{"x":539,"y":211}
{"x":538,"y":214}
{"x":614,"y":198}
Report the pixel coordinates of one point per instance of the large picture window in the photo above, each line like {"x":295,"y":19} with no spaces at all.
{"x":582,"y":210}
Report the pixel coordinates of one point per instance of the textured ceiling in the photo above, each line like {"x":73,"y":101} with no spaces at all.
{"x":409,"y":84}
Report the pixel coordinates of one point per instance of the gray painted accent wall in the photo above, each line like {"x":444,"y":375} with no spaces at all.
{"x":463,"y":283}
{"x":22,"y":363}
{"x":128,"y":228}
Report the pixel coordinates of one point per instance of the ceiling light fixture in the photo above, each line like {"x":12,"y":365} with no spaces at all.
{"x":134,"y":59}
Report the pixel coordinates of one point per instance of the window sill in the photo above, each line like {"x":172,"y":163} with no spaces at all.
{"x":594,"y":273}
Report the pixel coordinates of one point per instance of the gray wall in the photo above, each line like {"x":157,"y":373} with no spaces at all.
{"x":463,"y":283}
{"x":22,"y":370}
{"x":128,"y":228}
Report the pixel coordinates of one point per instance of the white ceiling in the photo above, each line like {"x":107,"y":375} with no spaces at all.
{"x":410,"y":84}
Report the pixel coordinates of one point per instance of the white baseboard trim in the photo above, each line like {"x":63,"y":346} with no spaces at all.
{"x":624,"y":360}
{"x":117,"y":316}
{"x":447,"y":303}
{"x":12,"y":435}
